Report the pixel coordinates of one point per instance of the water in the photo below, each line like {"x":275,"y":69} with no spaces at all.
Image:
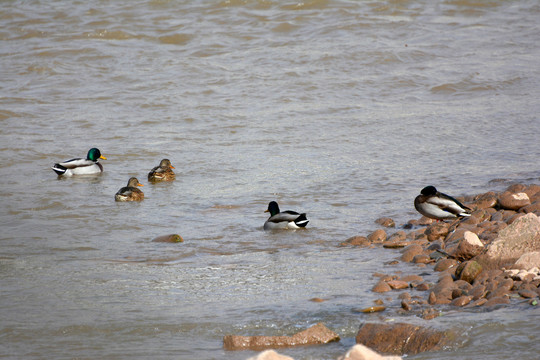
{"x":341,"y":109}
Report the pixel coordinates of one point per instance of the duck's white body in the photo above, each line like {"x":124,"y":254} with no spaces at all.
{"x":80,"y":166}
{"x":285,"y":219}
{"x":439,"y":206}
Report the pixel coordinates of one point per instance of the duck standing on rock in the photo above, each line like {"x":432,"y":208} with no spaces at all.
{"x":130,"y":192}
{"x":80,"y":166}
{"x":439,"y":206}
{"x":284,"y":220}
{"x":162,"y":172}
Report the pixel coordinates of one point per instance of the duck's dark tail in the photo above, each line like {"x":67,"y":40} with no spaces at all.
{"x":301,"y":221}
{"x":59,"y":169}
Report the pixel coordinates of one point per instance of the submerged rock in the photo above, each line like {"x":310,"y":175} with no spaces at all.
{"x":317,"y":334}
{"x":171,"y":238}
{"x":401,"y":338}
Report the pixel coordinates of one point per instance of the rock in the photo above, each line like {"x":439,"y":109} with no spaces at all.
{"x":469,"y":246}
{"x":398,"y":236}
{"x":412,"y":278}
{"x":381,"y":286}
{"x":468,"y":271}
{"x":357,"y":241}
{"x":371,"y":309}
{"x":532,"y":190}
{"x":396,"y":245}
{"x":528,"y":261}
{"x":532,"y":208}
{"x":171,"y":238}
{"x":361,"y":352}
{"x":411,"y":251}
{"x":527,"y":293}
{"x":522,"y":236}
{"x":436,"y":231}
{"x":386,"y":222}
{"x":444,"y":264}
{"x":513,"y":201}
{"x":462,"y":300}
{"x":398,"y":285}
{"x":477,"y":292}
{"x":317,"y":334}
{"x":497,"y":301}
{"x":270,"y":355}
{"x":487,"y":200}
{"x":377,"y":236}
{"x":421,"y":259}
{"x":400,"y":338}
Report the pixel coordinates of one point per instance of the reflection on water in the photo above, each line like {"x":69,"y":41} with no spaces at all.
{"x":343,"y":109}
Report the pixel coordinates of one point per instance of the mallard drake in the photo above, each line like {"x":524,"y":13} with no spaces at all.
{"x":436,"y":205}
{"x":80,"y":166}
{"x":130,"y":192}
{"x":162,"y":172}
{"x":285,"y":219}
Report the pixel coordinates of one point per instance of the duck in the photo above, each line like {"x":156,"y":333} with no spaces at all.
{"x":285,"y":219}
{"x":130,"y":192}
{"x":162,"y":172}
{"x":80,"y":166}
{"x":439,"y":206}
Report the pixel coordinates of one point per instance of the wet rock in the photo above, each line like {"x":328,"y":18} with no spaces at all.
{"x":397,"y":284}
{"x":317,"y":334}
{"x":378,"y":236}
{"x":496,"y":301}
{"x":436,"y":231}
{"x":429,"y":314}
{"x":381,"y":286}
{"x":532,"y":208}
{"x":372,"y":309}
{"x":421,"y":259}
{"x":397,"y":236}
{"x":410,"y":252}
{"x":406,"y":305}
{"x":477,"y":292}
{"x":532,"y":190}
{"x":270,"y":355}
{"x":361,"y":352}
{"x":444,"y":264}
{"x":401,"y":338}
{"x":469,"y":246}
{"x":513,"y":201}
{"x":386,"y":222}
{"x":357,"y":241}
{"x":527,"y":293}
{"x":396,"y":245}
{"x":171,"y":238}
{"x":462,"y":300}
{"x":412,"y":278}
{"x":522,"y":236}
{"x":487,"y":200}
{"x":468,"y":270}
{"x":423,"y":286}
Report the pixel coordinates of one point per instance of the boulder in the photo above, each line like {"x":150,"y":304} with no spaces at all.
{"x":386,"y":222}
{"x":377,"y":236}
{"x":468,"y":271}
{"x":400,"y":338}
{"x":361,"y":352}
{"x":270,"y":355}
{"x":357,"y":241}
{"x":436,"y":231}
{"x":171,"y":238}
{"x":513,"y":201}
{"x":520,"y":237}
{"x":468,"y":247}
{"x":528,"y":261}
{"x":317,"y":334}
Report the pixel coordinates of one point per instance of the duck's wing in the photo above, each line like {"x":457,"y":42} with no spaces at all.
{"x":75,"y":163}
{"x":284,"y":216}
{"x":449,"y":204}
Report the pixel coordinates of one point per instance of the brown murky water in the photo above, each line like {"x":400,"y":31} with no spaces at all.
{"x":342,"y":109}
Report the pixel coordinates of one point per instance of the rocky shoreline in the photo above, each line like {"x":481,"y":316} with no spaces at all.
{"x":489,"y":259}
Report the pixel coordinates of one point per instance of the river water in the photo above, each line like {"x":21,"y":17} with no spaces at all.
{"x":342,"y":109}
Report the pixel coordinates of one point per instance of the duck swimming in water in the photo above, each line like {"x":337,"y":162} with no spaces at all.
{"x":80,"y":166}
{"x":162,"y":172}
{"x":439,"y":206}
{"x":130,"y":192}
{"x":284,"y":220}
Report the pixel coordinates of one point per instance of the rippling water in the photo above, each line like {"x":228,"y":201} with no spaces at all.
{"x":342,"y":109}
